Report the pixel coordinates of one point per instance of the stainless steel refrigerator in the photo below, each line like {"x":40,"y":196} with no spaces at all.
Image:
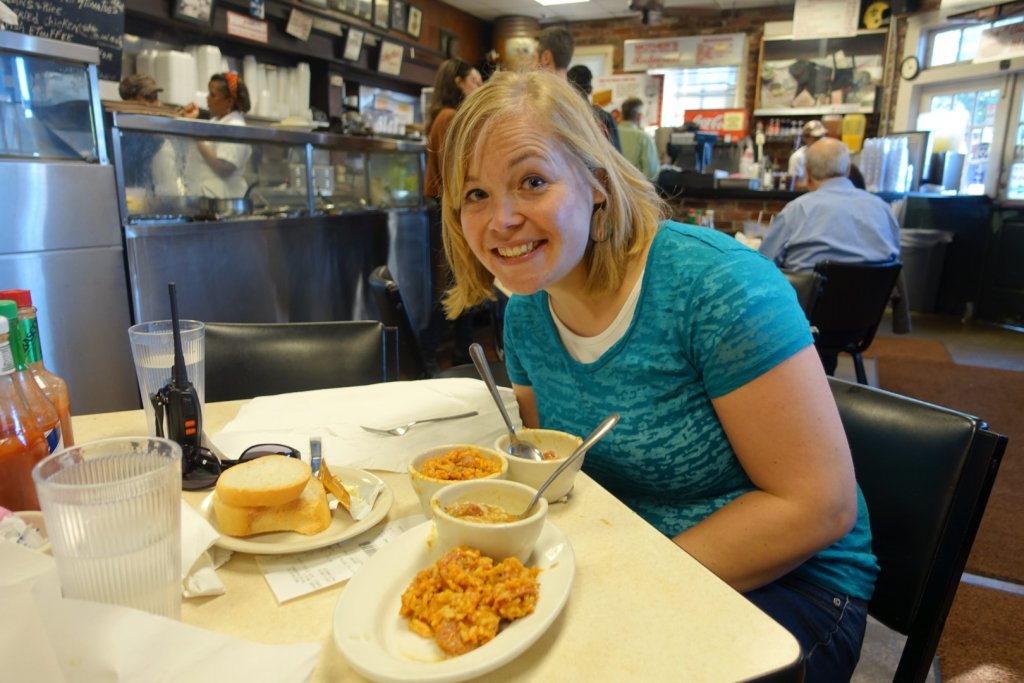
{"x":60,"y":234}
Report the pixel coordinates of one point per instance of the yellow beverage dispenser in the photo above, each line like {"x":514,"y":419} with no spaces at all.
{"x":853,"y":131}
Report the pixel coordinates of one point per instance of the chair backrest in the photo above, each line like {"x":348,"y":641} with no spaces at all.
{"x":394,"y":313}
{"x":807,"y":284}
{"x":244,"y":360}
{"x":926,"y":473}
{"x":851,"y":303}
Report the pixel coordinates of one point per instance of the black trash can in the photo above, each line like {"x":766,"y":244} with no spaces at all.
{"x":923,"y":252}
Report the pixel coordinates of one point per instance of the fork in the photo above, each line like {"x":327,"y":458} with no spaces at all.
{"x":403,"y":428}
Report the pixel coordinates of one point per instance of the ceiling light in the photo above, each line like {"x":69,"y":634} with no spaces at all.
{"x":559,"y":2}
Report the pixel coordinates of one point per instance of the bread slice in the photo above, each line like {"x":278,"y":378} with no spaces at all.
{"x":270,"y":480}
{"x":308,"y":514}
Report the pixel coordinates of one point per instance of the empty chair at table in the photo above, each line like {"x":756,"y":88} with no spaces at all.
{"x":926,"y":473}
{"x":849,"y":308}
{"x":244,"y":360}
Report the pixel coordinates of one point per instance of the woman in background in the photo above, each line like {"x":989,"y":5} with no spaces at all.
{"x":455,"y":81}
{"x":215,"y":169}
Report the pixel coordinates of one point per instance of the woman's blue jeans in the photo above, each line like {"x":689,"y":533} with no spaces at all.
{"x":828,"y":625}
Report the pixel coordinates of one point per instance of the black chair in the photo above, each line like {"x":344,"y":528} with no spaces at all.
{"x":244,"y":360}
{"x":394,"y":313}
{"x":849,"y":308}
{"x":926,"y":473}
{"x":807,"y":284}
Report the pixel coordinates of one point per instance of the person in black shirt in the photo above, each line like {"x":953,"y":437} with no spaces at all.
{"x":582,"y":78}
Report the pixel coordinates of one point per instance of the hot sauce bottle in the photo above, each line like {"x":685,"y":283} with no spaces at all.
{"x":22,"y":444}
{"x":42,"y":410}
{"x":53,"y":386}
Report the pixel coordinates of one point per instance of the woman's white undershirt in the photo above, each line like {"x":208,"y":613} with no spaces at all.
{"x":589,"y":349}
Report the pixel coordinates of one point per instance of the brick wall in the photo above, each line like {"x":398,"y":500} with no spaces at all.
{"x":691,"y":23}
{"x":730,"y":214}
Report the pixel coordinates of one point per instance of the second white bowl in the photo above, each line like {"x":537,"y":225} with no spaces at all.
{"x":534,"y":473}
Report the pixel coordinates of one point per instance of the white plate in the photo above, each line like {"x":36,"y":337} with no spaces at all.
{"x":283,"y":542}
{"x":377,"y":641}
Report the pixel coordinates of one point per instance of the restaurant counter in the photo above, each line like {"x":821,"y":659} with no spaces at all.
{"x":291,"y":236}
{"x":640,"y":608}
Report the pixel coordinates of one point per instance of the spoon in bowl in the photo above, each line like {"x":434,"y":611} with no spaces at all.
{"x":516,"y":446}
{"x":595,"y":436}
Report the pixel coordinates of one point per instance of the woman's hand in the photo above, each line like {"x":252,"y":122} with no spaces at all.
{"x":219,"y":166}
{"x":786,"y":432}
{"x":189,"y":111}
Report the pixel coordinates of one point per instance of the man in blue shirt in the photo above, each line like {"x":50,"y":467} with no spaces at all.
{"x":834,"y":221}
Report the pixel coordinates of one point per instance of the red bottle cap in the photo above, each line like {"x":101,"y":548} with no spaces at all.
{"x":22,"y":297}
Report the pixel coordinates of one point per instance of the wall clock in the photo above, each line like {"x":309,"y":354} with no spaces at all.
{"x":910,"y":68}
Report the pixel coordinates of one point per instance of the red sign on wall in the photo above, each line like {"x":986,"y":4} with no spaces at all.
{"x":731,"y":122}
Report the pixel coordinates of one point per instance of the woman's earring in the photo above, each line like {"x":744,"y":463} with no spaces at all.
{"x":600,"y":230}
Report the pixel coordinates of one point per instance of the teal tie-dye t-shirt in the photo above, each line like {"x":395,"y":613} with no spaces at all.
{"x":712,"y":316}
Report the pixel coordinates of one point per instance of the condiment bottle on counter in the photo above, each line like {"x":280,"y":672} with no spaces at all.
{"x":22,"y":445}
{"x":55,"y":388}
{"x":43,"y":411}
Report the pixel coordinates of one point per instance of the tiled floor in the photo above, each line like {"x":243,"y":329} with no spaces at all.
{"x":970,"y":343}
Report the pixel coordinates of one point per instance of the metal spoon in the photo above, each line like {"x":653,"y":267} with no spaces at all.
{"x":516,"y":447}
{"x":595,"y":436}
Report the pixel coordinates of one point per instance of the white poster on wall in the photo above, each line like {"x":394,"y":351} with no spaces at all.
{"x":825,"y":18}
{"x":683,"y":52}
{"x":611,"y":91}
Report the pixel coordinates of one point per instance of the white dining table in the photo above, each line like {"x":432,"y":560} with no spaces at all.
{"x":640,"y":608}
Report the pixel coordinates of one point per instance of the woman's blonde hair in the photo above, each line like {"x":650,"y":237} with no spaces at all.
{"x":624,"y":225}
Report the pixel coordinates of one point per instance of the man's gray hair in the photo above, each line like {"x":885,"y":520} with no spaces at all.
{"x":827,"y":158}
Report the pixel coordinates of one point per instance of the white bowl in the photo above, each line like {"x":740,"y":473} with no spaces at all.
{"x":425,"y":486}
{"x":534,"y":473}
{"x":496,"y":540}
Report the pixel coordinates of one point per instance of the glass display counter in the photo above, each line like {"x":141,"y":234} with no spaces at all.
{"x":288,"y":230}
{"x":165,"y":173}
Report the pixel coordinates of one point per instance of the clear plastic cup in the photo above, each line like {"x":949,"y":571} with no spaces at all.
{"x":153,"y":350}
{"x":113,"y":516}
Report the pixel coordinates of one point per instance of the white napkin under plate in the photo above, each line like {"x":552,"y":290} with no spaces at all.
{"x":335,"y":415}
{"x":44,"y":637}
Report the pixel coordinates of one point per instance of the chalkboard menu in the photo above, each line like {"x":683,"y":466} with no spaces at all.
{"x":99,"y":23}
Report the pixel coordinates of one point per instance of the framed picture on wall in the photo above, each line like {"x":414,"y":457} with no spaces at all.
{"x":364,"y":9}
{"x":399,"y":12}
{"x":415,"y":21}
{"x":353,"y":44}
{"x":382,"y":13}
{"x":390,"y":61}
{"x":195,"y":11}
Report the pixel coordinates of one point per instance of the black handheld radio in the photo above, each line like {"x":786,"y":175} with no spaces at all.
{"x":179,"y":397}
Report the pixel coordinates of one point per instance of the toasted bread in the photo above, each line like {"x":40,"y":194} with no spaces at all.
{"x":308,"y":514}
{"x":266,"y":481}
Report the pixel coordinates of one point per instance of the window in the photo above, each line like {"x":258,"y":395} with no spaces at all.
{"x":959,"y":44}
{"x":977,"y":110}
{"x":707,"y":88}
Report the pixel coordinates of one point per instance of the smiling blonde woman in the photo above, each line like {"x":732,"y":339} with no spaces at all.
{"x":730,"y":442}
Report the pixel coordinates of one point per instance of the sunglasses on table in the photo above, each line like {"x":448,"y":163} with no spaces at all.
{"x":200,"y":467}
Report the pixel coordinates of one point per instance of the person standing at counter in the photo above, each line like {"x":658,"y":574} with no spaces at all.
{"x":215,"y":169}
{"x":809,"y":134}
{"x":637,"y":146}
{"x":582,"y":78}
{"x":730,"y":442}
{"x":455,"y":80}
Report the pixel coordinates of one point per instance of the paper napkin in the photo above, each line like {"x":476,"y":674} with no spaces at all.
{"x":335,"y":415}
